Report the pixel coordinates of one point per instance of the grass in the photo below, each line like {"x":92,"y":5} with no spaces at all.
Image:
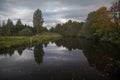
{"x":15,"y":41}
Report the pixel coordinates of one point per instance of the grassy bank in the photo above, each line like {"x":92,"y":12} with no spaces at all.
{"x":14,"y":41}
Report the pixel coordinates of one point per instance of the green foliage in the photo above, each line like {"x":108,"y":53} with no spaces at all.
{"x":87,"y":31}
{"x":6,"y":42}
{"x":26,"y":32}
{"x":96,"y":23}
{"x":1,"y":32}
{"x":70,"y":28}
{"x":38,"y":21}
{"x":112,"y":34}
{"x":18,"y":27}
{"x":100,"y":25}
{"x":9,"y":29}
{"x":15,"y":41}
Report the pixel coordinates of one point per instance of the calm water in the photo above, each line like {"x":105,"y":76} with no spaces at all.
{"x":64,"y":59}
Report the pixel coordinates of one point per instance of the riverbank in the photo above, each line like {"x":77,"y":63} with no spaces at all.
{"x":15,"y":41}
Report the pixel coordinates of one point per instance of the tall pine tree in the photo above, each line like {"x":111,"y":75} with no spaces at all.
{"x":38,"y":21}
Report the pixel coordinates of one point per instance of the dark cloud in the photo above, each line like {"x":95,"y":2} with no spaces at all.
{"x":54,"y":11}
{"x":2,"y":5}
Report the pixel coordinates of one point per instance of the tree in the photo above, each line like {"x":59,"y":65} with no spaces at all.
{"x":18,"y":27}
{"x":2,"y":28}
{"x":87,"y":31}
{"x":101,"y":20}
{"x":115,"y":11}
{"x":38,"y":54}
{"x":97,"y":22}
{"x":8,"y":27}
{"x":25,"y":32}
{"x":112,"y":34}
{"x":19,"y":23}
{"x":44,"y":29}
{"x":70,"y":28}
{"x":1,"y":32}
{"x":38,"y":21}
{"x":52,"y":29}
{"x":73,"y":28}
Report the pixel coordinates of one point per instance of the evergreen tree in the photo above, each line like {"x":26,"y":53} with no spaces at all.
{"x":8,"y":27}
{"x":18,"y":27}
{"x":19,"y":23}
{"x":38,"y":21}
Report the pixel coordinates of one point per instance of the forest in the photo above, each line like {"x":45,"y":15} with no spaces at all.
{"x":102,"y":24}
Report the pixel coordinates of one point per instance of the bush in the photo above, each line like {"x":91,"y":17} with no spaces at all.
{"x":26,"y":32}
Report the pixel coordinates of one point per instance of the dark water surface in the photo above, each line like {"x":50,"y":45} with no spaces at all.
{"x":64,"y":59}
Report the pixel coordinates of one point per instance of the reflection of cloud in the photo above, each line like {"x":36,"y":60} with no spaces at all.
{"x":55,"y":53}
{"x":3,"y":57}
{"x":26,"y":55}
{"x":58,"y":58}
{"x":51,"y":47}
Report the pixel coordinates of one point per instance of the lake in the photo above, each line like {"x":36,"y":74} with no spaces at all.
{"x":64,"y":59}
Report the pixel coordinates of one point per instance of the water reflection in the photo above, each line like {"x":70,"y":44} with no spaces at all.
{"x":64,"y":59}
{"x":102,"y":56}
{"x":38,"y":53}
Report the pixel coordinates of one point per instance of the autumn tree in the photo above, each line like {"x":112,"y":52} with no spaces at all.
{"x":38,"y":21}
{"x":115,"y":11}
{"x":97,"y":22}
{"x":102,"y":20}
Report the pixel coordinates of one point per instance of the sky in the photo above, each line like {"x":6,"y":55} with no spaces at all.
{"x":53,"y":11}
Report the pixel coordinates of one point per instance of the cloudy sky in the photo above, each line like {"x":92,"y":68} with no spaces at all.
{"x":54,"y":11}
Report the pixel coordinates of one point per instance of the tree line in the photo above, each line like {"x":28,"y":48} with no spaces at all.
{"x":19,"y":29}
{"x":70,"y":28}
{"x":102,"y":24}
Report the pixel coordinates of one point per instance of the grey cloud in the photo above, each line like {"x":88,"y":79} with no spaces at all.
{"x":52,"y":9}
{"x":87,"y":2}
{"x":2,"y":5}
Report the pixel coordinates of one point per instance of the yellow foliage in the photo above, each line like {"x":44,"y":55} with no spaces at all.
{"x":101,"y":20}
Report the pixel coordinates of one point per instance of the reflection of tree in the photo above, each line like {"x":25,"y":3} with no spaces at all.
{"x":20,"y":51}
{"x":10,"y":51}
{"x":45,"y":44}
{"x":104,"y":57}
{"x":69,"y":43}
{"x":38,"y":53}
